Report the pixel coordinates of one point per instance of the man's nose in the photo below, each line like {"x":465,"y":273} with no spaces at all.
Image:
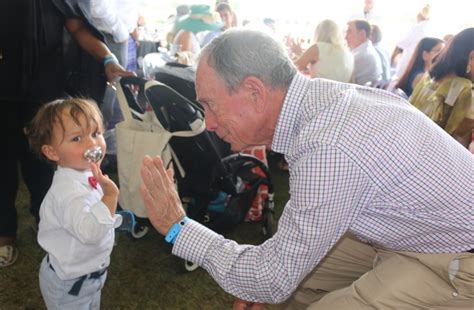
{"x":211,"y":123}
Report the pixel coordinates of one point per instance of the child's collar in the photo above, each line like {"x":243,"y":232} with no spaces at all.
{"x":80,"y":175}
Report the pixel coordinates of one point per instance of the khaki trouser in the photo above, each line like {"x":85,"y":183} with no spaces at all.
{"x":355,"y":275}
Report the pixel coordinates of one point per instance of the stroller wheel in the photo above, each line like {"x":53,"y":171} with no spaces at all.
{"x":268,"y":223}
{"x":190,"y":266}
{"x":140,"y":231}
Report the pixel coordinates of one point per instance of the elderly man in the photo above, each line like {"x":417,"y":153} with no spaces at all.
{"x":367,"y":64}
{"x":380,"y":215}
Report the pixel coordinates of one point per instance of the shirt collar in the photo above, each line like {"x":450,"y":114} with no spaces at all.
{"x":362,"y":47}
{"x":80,"y":176}
{"x":287,"y":124}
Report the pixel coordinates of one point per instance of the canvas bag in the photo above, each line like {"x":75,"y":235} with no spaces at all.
{"x":135,"y":139}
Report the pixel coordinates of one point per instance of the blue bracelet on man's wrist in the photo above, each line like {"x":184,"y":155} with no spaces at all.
{"x":174,"y":230}
{"x":110,"y":58}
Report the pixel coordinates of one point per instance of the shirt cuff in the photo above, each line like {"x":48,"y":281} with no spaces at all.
{"x":194,"y":241}
{"x":103,"y":216}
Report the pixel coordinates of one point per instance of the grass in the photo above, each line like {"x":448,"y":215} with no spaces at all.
{"x":143,"y":274}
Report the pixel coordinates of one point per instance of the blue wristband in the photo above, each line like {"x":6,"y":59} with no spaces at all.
{"x":110,"y":58}
{"x":174,"y":230}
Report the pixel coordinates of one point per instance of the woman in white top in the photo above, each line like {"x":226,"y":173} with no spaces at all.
{"x":328,"y":58}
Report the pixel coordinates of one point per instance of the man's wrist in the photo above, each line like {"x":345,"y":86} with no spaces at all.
{"x":175,"y":229}
{"x":110,"y":58}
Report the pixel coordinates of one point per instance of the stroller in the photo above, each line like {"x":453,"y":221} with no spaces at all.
{"x":216,"y":187}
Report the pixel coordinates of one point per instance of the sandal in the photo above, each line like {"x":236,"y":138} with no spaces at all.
{"x":8,"y":255}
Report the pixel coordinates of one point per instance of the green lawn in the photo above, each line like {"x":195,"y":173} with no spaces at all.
{"x":143,"y":274}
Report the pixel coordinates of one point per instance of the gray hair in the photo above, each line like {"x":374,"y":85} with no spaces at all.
{"x":239,"y":53}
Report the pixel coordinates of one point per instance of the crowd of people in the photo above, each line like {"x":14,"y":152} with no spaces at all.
{"x":380,"y":213}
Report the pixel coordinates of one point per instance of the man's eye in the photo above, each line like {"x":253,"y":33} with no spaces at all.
{"x":76,"y":139}
{"x":211,"y":107}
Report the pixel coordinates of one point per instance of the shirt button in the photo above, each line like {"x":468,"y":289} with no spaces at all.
{"x":455,"y":294}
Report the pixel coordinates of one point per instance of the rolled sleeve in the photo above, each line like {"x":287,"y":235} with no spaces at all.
{"x":103,"y":216}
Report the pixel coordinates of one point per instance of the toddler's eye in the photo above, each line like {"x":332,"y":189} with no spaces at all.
{"x":96,"y":134}
{"x":76,"y":139}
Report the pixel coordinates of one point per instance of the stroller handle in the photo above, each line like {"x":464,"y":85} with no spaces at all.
{"x":133,"y":80}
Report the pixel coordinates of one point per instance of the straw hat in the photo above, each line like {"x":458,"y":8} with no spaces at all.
{"x":201,"y":18}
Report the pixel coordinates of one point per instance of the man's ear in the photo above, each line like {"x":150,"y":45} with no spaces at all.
{"x":257,"y":92}
{"x":50,"y":152}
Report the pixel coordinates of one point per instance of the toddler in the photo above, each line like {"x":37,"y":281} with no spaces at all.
{"x":77,"y":216}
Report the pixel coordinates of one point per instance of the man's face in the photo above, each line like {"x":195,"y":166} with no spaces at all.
{"x":354,"y":37}
{"x":227,"y":18}
{"x":368,"y":5}
{"x":231,"y":116}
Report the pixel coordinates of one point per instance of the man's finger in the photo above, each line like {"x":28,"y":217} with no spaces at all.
{"x":147,"y":198}
{"x":147,"y":177}
{"x":155,"y":181}
{"x":170,"y":173}
{"x":158,"y":162}
{"x":162,"y":175}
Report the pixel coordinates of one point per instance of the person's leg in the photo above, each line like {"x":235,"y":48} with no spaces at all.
{"x":99,"y":284}
{"x":132,"y":55}
{"x":460,"y":274}
{"x":56,"y":291}
{"x":9,"y":188}
{"x":37,"y":175}
{"x":401,"y":281}
{"x":52,"y":288}
{"x":345,"y":263}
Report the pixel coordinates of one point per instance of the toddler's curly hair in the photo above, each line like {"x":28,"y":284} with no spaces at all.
{"x":40,"y":130}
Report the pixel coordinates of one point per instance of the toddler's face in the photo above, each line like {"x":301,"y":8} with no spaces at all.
{"x":69,"y":145}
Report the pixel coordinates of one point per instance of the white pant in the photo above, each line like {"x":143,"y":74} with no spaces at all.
{"x":55,"y":291}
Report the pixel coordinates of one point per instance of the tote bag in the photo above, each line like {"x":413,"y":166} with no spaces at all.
{"x":139,"y":135}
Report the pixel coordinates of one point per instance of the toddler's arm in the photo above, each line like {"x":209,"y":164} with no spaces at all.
{"x":110,"y":189}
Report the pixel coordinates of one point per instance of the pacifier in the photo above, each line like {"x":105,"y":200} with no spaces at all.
{"x":94,"y":154}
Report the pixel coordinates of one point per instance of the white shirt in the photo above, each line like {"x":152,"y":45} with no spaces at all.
{"x":367,"y":64}
{"x":360,"y":159}
{"x":384,"y":56}
{"x":117,"y":17}
{"x":334,"y":63}
{"x":76,"y":228}
{"x":409,"y":42}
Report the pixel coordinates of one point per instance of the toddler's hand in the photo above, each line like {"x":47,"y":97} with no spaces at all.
{"x":109,"y":188}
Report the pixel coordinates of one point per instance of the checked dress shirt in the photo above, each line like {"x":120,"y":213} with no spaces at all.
{"x":360,"y":160}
